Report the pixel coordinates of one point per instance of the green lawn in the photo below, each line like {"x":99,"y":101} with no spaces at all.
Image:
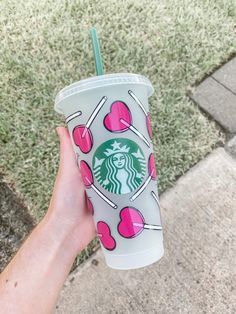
{"x":45,"y":45}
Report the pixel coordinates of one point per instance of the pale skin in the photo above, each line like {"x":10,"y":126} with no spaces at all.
{"x":33,"y":279}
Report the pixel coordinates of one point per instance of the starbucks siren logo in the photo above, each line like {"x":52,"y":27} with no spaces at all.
{"x":119,"y":165}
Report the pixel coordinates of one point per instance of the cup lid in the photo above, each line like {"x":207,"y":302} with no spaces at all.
{"x":100,"y":81}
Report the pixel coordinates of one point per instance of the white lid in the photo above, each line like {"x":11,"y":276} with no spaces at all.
{"x":101,"y":81}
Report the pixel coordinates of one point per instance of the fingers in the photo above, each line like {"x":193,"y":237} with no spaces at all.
{"x":67,"y":154}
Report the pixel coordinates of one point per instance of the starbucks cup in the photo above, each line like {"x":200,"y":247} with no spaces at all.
{"x":109,"y":123}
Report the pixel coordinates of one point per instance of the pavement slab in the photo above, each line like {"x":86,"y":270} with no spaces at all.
{"x":218,"y":101}
{"x":226,"y":75}
{"x":231,"y":146}
{"x":198,"y":271}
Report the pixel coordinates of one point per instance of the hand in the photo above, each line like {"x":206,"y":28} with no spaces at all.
{"x":68,"y":210}
{"x":34,"y":277}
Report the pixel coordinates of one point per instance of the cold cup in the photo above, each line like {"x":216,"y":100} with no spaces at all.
{"x":109,"y":124}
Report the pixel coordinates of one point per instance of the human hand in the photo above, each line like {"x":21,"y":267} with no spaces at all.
{"x":53,"y":244}
{"x":68,"y":212}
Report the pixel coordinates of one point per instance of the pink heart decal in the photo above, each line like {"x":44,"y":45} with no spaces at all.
{"x":83,"y":138}
{"x":151,"y":167}
{"x":149,"y":127}
{"x":118,"y":111}
{"x":105,"y":236}
{"x":86,"y":174}
{"x":90,"y":206}
{"x":131,"y":222}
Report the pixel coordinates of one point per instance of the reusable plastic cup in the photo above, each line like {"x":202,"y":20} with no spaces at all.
{"x":109,"y":123}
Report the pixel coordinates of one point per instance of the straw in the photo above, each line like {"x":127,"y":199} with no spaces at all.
{"x":96,"y":52}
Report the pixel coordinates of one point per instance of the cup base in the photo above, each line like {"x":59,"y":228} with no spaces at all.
{"x":134,"y":261}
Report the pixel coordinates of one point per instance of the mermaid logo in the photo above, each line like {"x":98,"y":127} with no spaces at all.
{"x":119,"y":165}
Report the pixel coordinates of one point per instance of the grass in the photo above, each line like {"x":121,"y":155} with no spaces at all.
{"x":45,"y":45}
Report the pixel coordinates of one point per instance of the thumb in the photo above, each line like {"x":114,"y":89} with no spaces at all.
{"x":67,"y":154}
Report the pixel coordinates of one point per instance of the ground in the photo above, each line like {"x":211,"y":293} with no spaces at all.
{"x":198,"y":270}
{"x":46,"y":45}
{"x":15,"y":223}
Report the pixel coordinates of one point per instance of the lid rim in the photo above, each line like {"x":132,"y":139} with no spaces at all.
{"x":98,"y":82}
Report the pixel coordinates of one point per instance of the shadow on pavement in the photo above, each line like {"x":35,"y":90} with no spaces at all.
{"x":15,"y":223}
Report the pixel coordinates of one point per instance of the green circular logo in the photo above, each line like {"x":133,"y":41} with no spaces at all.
{"x":119,"y":165}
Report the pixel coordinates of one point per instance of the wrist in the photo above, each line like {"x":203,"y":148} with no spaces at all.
{"x":40,"y":267}
{"x":58,"y":235}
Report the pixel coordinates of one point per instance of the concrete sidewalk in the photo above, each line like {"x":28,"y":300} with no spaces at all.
{"x":198,"y":271}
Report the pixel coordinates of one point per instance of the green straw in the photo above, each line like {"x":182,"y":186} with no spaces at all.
{"x":97,"y":52}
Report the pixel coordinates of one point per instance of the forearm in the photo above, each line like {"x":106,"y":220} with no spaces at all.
{"x":33,"y":279}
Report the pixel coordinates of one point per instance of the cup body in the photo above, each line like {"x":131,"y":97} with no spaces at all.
{"x":109,"y":124}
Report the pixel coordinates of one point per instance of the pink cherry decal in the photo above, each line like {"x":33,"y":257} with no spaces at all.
{"x":83,"y":138}
{"x":112,"y":120}
{"x":131,"y":222}
{"x":151,"y":167}
{"x":105,"y":236}
{"x":149,"y":127}
{"x":86,"y":174}
{"x":90,"y":206}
